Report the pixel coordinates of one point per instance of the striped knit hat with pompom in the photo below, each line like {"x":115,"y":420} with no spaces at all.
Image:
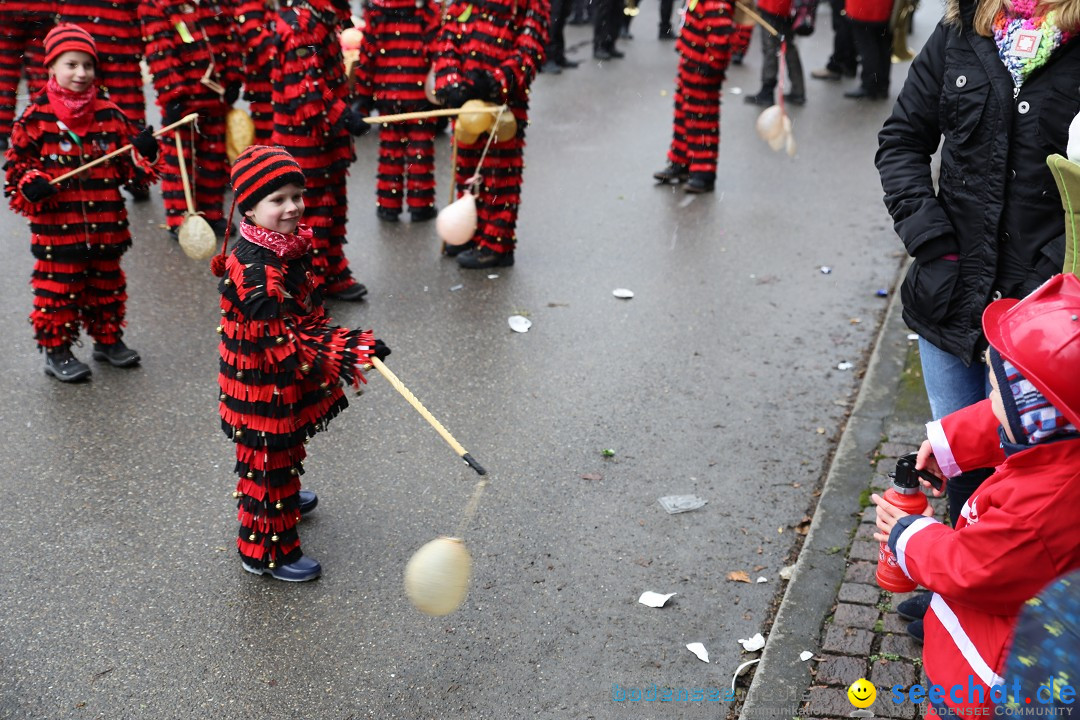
{"x":259,"y":171}
{"x":65,"y":37}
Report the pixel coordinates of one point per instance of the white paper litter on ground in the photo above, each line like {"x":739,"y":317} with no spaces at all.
{"x":752,"y":644}
{"x":699,"y":650}
{"x":805,"y":655}
{"x":623,"y":293}
{"x":681,"y":503}
{"x":654,"y":599}
{"x":845,"y":365}
{"x":519,"y":323}
{"x":738,"y":671}
{"x":762,"y":579}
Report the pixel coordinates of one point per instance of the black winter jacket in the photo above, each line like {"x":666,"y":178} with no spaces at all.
{"x":997,"y":210}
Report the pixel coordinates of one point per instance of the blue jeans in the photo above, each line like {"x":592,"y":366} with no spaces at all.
{"x":951,"y":386}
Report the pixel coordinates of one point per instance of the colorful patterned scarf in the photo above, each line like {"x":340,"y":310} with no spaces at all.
{"x":1025,"y":40}
{"x":1032,"y":419}
{"x":286,"y":247}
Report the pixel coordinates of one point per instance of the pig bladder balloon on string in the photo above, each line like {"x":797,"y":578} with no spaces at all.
{"x":476,"y":116}
{"x":437,"y":576}
{"x":505,"y":126}
{"x":456,"y":222}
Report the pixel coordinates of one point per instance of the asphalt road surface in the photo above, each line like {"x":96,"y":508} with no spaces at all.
{"x":122,"y":595}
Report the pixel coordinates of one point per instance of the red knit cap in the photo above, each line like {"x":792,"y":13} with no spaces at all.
{"x":65,"y":37}
{"x":259,"y":171}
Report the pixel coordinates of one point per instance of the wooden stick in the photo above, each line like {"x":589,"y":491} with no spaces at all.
{"x":423,"y":114}
{"x":183,"y":174}
{"x":418,"y":406}
{"x":756,"y":18}
{"x":186,"y":119}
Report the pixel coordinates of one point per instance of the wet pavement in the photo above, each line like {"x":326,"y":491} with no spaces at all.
{"x":122,"y":595}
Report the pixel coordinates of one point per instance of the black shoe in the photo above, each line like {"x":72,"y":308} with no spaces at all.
{"x":423,"y":214}
{"x":567,"y":64}
{"x":454,"y":250}
{"x":118,"y":354}
{"x":602,"y":54}
{"x":138,"y":193}
{"x":64,"y":366}
{"x":301,"y":570}
{"x":353,"y":293}
{"x":764,"y":98}
{"x":915,"y":631}
{"x":915,"y":607}
{"x":700,"y":183}
{"x":218,"y":226}
{"x":736,"y":58}
{"x":793,"y":99}
{"x":666,"y":33}
{"x":615,"y":53}
{"x":624,"y":34}
{"x":551,"y":68}
{"x":672,"y":174}
{"x":308,"y":501}
{"x":484,"y":258}
{"x":826,"y":73}
{"x":387,"y":214}
{"x":861,"y":93}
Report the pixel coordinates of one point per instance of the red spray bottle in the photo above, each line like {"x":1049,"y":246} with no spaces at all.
{"x":906,"y":495}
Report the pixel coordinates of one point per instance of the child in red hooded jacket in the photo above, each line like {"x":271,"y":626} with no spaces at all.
{"x":1017,"y":532}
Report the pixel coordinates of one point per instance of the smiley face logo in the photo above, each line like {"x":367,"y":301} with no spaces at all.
{"x":862,"y":693}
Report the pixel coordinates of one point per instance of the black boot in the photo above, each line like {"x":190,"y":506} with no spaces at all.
{"x":765,"y":97}
{"x":700,"y":183}
{"x":673,"y":174}
{"x":666,"y":33}
{"x":423,"y":214}
{"x":454,"y":250}
{"x":65,"y":367}
{"x":483,"y":258}
{"x":387,"y":214}
{"x":308,"y":501}
{"x":353,"y":293}
{"x":118,"y":354}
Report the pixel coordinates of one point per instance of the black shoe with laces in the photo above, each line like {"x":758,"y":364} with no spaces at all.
{"x":65,"y":367}
{"x":454,"y":250}
{"x":673,"y":174}
{"x":353,"y":293}
{"x":700,"y":183}
{"x":483,"y":258}
{"x":861,"y":93}
{"x":764,"y":98}
{"x":117,"y":354}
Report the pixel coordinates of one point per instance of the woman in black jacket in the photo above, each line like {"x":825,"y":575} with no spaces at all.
{"x":1001,"y":82}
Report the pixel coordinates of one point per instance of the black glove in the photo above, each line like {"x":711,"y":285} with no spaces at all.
{"x":354,"y":123}
{"x":38,"y":189}
{"x":455,"y":96}
{"x":146,"y":143}
{"x":360,"y":107}
{"x":173,"y":112}
{"x":380,"y":350}
{"x":482,"y":86}
{"x":232,"y":93}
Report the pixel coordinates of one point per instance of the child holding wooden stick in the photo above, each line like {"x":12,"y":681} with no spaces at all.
{"x":283,"y":361}
{"x":78,"y":227}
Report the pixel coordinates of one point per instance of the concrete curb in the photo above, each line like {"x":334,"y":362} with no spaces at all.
{"x":781,"y":680}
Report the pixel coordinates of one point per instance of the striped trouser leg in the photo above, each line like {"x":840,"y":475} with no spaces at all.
{"x":699,"y":105}
{"x":390,"y":182}
{"x":208,"y":176}
{"x":326,"y":208}
{"x":104,"y":301}
{"x":57,"y":286}
{"x":500,"y":187}
{"x":269,"y":504}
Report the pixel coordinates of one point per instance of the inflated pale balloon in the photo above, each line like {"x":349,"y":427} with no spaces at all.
{"x":476,"y":122}
{"x":429,"y":88}
{"x":463,"y":136}
{"x":505,"y":126}
{"x":351,"y":39}
{"x":437,"y":576}
{"x":197,"y":238}
{"x":777,"y":143}
{"x":239,"y":133}
{"x":770,"y":122}
{"x":456,"y":222}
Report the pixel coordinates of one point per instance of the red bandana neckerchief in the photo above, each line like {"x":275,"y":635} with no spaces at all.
{"x":74,"y":109}
{"x":286,"y":247}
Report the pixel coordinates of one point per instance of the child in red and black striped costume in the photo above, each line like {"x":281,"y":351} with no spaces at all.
{"x":283,"y":361}
{"x":79,"y":227}
{"x":704,"y":47}
{"x":390,"y":72}
{"x":193,"y":50}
